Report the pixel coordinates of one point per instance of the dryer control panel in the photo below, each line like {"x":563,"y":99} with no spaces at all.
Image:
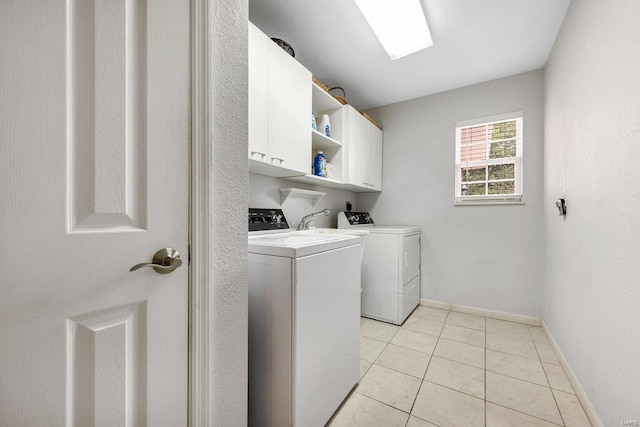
{"x":354,"y":218}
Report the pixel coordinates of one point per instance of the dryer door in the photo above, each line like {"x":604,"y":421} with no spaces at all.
{"x":410,"y":257}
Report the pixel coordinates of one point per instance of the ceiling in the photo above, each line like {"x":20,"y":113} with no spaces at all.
{"x":473,"y":41}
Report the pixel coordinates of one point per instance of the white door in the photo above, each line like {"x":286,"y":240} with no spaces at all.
{"x":94,"y":152}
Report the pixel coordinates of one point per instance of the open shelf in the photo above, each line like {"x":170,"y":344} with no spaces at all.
{"x":323,"y":102}
{"x":316,"y":180}
{"x":320,"y":141}
{"x":285,"y":193}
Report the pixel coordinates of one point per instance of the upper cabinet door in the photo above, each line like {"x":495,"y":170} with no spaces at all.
{"x":374,"y":153}
{"x":355,"y":141}
{"x":258,"y":94}
{"x":363,"y":142}
{"x":289,"y":112}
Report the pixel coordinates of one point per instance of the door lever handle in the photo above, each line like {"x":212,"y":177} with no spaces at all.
{"x":164,"y":261}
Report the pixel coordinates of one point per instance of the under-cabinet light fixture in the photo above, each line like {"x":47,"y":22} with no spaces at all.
{"x":400,"y":25}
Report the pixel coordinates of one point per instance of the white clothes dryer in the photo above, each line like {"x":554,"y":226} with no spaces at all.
{"x":390,"y":268}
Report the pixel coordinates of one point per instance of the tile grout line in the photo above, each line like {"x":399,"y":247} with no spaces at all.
{"x":520,"y":379}
{"x":485,"y":371}
{"x":497,"y":373}
{"x":549,"y":382}
{"x":428,"y":364}
{"x":432,"y":355}
{"x":453,"y":389}
{"x":528,"y":415}
{"x":439,"y":339}
{"x":377,"y":357}
{"x":373,"y":363}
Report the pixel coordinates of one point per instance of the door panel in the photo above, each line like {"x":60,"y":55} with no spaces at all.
{"x":94,"y":140}
{"x":105,"y":114}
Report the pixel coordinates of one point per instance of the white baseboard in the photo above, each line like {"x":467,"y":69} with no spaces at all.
{"x":573,"y":379}
{"x":493,"y":314}
{"x":435,"y":304}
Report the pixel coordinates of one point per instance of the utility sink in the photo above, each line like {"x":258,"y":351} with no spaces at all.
{"x":300,"y":243}
{"x":333,"y":231}
{"x":295,"y":238}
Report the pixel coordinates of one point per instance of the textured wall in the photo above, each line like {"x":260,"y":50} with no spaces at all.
{"x":592,"y":146}
{"x":482,"y":256}
{"x":264,"y":192}
{"x":228,"y":297}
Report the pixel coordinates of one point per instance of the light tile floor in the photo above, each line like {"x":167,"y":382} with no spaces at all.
{"x":444,"y":368}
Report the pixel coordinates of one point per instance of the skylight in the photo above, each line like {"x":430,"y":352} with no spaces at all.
{"x":400,"y":25}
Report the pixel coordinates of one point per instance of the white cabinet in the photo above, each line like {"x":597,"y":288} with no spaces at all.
{"x":279,"y":109}
{"x":281,"y":141}
{"x":362,"y":142}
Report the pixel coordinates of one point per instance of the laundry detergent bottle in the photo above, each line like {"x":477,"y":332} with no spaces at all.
{"x":320,"y":165}
{"x":325,"y":126}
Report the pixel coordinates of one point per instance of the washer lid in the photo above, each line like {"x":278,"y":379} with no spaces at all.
{"x":391,"y":229}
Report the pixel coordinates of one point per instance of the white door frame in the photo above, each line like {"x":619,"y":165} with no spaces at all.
{"x":218,"y":372}
{"x":199,"y":231}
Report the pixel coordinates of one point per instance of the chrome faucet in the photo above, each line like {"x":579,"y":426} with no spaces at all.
{"x":304,"y":222}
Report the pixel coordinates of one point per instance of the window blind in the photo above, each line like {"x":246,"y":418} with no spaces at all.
{"x":489,"y":159}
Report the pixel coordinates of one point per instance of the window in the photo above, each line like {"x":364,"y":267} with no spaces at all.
{"x":489,"y":160}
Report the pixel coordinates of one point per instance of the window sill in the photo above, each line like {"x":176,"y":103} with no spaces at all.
{"x":488,"y":200}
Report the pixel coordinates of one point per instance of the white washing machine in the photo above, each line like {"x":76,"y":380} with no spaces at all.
{"x":390,"y":268}
{"x":304,"y":322}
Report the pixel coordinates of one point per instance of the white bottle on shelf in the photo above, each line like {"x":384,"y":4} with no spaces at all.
{"x":325,"y":126}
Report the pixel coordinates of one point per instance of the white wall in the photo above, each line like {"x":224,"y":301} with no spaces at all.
{"x":482,"y":256}
{"x":264,"y":192}
{"x":228,"y":189}
{"x":592,"y":146}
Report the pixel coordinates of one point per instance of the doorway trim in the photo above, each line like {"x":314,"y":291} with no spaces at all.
{"x":218,"y":292}
{"x":199,"y":213}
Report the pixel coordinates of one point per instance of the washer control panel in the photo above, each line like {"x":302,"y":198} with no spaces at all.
{"x":267,"y":219}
